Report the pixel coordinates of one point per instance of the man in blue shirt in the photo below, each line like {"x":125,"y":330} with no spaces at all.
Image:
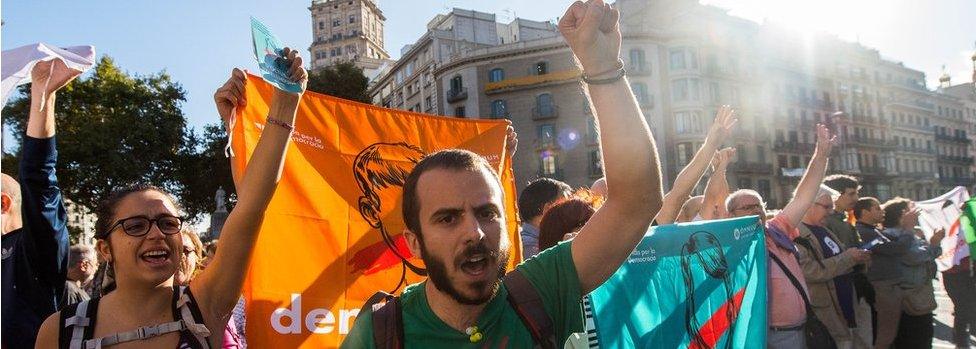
{"x":35,"y":234}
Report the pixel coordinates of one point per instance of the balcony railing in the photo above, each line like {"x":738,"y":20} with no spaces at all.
{"x":457,"y":94}
{"x":966,"y":160}
{"x":871,"y":170}
{"x":917,"y":175}
{"x":794,"y":146}
{"x":963,"y":181}
{"x":558,"y":175}
{"x":545,"y":112}
{"x":952,"y":138}
{"x":751,"y":167}
{"x":916,"y":150}
{"x":869,"y":142}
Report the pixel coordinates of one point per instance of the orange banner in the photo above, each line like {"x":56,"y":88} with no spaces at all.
{"x":332,"y":233}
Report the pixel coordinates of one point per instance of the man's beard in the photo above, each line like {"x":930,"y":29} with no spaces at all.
{"x":437,"y":273}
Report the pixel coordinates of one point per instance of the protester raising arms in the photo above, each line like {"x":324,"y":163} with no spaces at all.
{"x":138,"y":232}
{"x":35,"y":231}
{"x":717,"y":187}
{"x":691,"y":174}
{"x":452,"y":204}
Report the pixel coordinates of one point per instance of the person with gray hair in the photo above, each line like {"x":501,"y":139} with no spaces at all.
{"x":787,"y":311}
{"x":827,"y":264}
{"x":82,"y":264}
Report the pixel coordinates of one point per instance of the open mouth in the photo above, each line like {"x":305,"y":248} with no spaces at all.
{"x":155,"y":257}
{"x":476,"y":265}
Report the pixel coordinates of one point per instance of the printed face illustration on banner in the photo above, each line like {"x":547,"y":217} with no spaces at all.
{"x":381,"y":182}
{"x":332,"y":234}
{"x":691,"y":285}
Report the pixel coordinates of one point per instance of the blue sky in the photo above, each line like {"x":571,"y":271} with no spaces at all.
{"x":198,"y":42}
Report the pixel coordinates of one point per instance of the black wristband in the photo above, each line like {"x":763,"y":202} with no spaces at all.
{"x":590,"y":81}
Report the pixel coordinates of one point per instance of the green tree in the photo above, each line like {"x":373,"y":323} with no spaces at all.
{"x":114,"y":129}
{"x":344,"y":80}
{"x":204,"y":168}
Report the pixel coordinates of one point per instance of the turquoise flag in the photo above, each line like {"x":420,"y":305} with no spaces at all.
{"x":690,"y":285}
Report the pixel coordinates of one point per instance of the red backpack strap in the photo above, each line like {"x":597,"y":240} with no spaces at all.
{"x":527,"y":303}
{"x":387,"y":320}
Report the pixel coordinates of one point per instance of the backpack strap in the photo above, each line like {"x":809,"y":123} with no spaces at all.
{"x":387,"y":320}
{"x":77,"y":327}
{"x":185,"y":309}
{"x":527,"y":302}
{"x":140,"y":333}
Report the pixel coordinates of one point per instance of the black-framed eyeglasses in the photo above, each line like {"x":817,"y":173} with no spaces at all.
{"x":826,"y":207}
{"x":138,"y":226}
{"x":747,"y":208}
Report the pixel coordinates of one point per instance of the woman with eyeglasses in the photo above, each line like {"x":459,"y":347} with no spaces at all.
{"x":138,"y":231}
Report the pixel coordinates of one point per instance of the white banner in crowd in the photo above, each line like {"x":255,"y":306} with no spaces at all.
{"x":944,"y":212}
{"x":18,"y":62}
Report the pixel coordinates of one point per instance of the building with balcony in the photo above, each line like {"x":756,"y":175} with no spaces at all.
{"x":348,"y":30}
{"x":685,"y":60}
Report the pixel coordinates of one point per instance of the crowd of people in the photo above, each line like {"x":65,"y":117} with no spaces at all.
{"x":857,"y":266}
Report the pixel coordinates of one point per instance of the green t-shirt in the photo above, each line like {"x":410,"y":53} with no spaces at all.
{"x":553,"y":274}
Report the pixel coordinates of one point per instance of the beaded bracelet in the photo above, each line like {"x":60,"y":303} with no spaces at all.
{"x":286,"y":125}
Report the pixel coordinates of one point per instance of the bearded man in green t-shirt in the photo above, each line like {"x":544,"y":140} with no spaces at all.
{"x":453,"y":210}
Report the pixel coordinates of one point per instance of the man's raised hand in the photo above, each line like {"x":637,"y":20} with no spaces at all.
{"x":593,"y":33}
{"x":825,"y":141}
{"x":725,"y":120}
{"x":722,"y":159}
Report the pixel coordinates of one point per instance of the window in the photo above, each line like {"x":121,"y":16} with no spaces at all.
{"x":541,"y":68}
{"x":544,"y":103}
{"x":591,"y":132}
{"x":745,"y":183}
{"x":679,"y":90}
{"x":640,"y":91}
{"x":338,"y":51}
{"x":459,"y":112}
{"x":695,"y":88}
{"x":456,"y":83}
{"x":352,"y":19}
{"x":321,"y":25}
{"x":714,"y":93}
{"x":428,"y":102}
{"x":336,"y":22}
{"x":761,"y":154}
{"x":637,"y":60}
{"x":792,"y":136}
{"x":496,"y":75}
{"x":546,"y":134}
{"x":498,"y":109}
{"x":781,"y":161}
{"x":677,"y":59}
{"x":547,"y":163}
{"x":762,"y":186}
{"x":684,"y":153}
{"x":794,"y":161}
{"x":596,"y":165}
{"x":687,"y":122}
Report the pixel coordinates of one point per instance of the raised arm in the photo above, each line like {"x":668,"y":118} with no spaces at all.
{"x":806,"y":191}
{"x":717,"y":188}
{"x":629,"y":153}
{"x":689,"y":176}
{"x":42,"y":206}
{"x":219,"y":286}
